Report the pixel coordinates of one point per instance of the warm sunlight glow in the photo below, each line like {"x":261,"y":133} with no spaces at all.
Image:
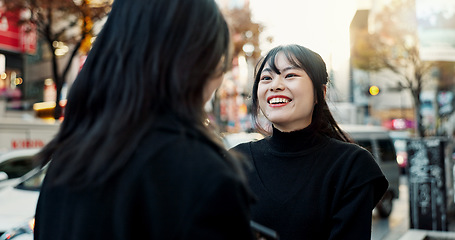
{"x":319,"y":25}
{"x":322,"y":26}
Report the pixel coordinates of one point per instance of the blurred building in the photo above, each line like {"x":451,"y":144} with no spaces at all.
{"x":25,"y":64}
{"x":387,"y":104}
{"x":393,"y":106}
{"x":230,"y":107}
{"x":26,"y":58}
{"x":15,"y":43}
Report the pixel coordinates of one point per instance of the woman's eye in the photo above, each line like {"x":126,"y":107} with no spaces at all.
{"x":266,"y":78}
{"x":290,"y":75}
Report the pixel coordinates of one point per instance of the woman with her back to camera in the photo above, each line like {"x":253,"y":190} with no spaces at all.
{"x":309,"y":180}
{"x":133,"y":158}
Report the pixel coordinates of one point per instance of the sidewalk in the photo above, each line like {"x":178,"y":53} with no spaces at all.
{"x":399,"y":219}
{"x":400,"y":224}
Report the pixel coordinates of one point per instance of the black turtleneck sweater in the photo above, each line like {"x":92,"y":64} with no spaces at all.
{"x":310,"y":186}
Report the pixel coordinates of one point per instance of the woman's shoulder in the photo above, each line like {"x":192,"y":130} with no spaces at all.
{"x":177,"y":145}
{"x":354,"y":163}
{"x":338,"y":145}
{"x":245,"y":147}
{"x":242,"y":147}
{"x":175,"y":158}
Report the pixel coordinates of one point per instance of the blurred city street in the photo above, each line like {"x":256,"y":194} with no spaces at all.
{"x":390,"y":67}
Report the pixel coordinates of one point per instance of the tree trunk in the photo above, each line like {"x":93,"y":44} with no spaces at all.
{"x":58,"y":80}
{"x":419,"y":128}
{"x":419,"y":125}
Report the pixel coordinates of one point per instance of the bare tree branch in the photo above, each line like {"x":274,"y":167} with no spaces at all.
{"x":394,"y":45}
{"x":63,"y":21}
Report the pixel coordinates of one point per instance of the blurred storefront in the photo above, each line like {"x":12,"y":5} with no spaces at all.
{"x":231,"y":106}
{"x":11,"y":79}
{"x":15,"y":42}
{"x":233,"y":115}
{"x":27,"y":72}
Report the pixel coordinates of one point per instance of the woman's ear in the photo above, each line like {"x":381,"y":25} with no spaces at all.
{"x":324,"y":89}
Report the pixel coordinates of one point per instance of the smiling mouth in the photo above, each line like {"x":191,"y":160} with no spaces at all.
{"x":279,"y":100}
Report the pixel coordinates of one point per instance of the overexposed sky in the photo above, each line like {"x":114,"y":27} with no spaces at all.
{"x":322,"y":25}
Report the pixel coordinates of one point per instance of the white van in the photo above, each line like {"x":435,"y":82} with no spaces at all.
{"x":19,"y":133}
{"x":377,"y":140}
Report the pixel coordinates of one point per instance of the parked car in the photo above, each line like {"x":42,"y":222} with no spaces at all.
{"x":402,"y":154}
{"x":400,"y":139}
{"x":18,"y":201}
{"x":16,"y":163}
{"x":377,"y":140}
{"x":21,"y":232}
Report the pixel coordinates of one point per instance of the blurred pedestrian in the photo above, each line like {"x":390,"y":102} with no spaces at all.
{"x":309,"y":180}
{"x":134,"y":158}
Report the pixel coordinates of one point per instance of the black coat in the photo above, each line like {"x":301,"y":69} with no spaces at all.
{"x":176,"y":186}
{"x":310,"y":186}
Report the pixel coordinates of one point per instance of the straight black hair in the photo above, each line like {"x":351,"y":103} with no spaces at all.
{"x":152,"y":57}
{"x":313,"y":64}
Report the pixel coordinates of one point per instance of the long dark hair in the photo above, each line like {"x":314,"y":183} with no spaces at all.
{"x":152,"y":57}
{"x":315,"y":67}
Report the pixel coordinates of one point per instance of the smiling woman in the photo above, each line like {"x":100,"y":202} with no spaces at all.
{"x":285,"y":94}
{"x":298,"y":76}
{"x":311,"y":182}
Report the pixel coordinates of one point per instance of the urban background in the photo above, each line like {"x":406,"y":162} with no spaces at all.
{"x":391,"y":65}
{"x":391,"y":62}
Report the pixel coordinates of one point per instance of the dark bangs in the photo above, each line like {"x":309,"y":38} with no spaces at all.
{"x":290,"y":57}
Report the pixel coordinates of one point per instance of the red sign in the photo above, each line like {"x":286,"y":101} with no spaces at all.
{"x":26,"y":143}
{"x":13,"y":37}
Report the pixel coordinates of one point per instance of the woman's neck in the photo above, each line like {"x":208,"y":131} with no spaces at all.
{"x":292,"y":127}
{"x":295,"y":141}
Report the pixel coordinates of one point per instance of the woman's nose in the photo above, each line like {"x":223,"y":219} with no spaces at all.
{"x":277,"y":84}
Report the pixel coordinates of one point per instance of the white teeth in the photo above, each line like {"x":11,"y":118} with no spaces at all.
{"x":278,"y":100}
